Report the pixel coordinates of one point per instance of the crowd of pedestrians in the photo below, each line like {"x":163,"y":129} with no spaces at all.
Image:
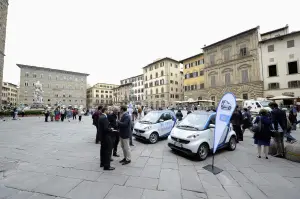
{"x":60,"y":114}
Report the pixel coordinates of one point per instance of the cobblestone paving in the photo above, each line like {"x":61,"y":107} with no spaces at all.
{"x":41,"y":160}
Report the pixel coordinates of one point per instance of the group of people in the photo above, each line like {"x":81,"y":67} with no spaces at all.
{"x":60,"y":114}
{"x":113,"y":125}
{"x":269,"y":124}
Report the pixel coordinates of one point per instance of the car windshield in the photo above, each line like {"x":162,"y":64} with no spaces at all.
{"x":265,"y":103}
{"x":197,"y":121}
{"x":151,"y":117}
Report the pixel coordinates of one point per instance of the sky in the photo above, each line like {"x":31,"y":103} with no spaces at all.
{"x":113,"y":40}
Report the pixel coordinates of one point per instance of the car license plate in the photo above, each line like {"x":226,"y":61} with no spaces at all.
{"x":178,"y":144}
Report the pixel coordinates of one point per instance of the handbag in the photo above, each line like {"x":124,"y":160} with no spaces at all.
{"x":256,"y":128}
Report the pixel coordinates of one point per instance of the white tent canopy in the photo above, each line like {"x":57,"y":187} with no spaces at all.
{"x":281,"y":97}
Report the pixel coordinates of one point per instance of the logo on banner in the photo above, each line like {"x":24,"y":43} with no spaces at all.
{"x":225,"y":105}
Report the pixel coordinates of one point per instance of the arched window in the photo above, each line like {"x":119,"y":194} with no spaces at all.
{"x":150,"y":76}
{"x":162,"y":73}
{"x":162,"y":90}
{"x":151,"y":92}
{"x":156,"y":75}
{"x":156,"y":90}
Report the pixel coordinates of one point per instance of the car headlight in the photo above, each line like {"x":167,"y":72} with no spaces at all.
{"x":193,"y":136}
{"x":148,"y":127}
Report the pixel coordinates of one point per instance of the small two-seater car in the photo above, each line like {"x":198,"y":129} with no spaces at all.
{"x":194,"y":135}
{"x":155,"y":125}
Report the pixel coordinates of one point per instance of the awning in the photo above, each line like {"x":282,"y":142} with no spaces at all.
{"x":281,"y":97}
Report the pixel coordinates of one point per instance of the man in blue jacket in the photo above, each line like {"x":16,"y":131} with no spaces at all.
{"x":125,"y":131}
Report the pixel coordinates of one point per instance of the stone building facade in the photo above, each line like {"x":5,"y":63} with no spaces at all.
{"x":3,"y":19}
{"x":193,"y":71}
{"x":64,"y":87}
{"x":137,"y":90}
{"x":280,"y":62}
{"x":123,"y":94}
{"x":9,"y":94}
{"x":233,"y":65}
{"x":100,"y":94}
{"x":163,"y":83}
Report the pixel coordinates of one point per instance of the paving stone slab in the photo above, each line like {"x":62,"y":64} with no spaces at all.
{"x":80,"y":174}
{"x":172,"y":158}
{"x":141,"y":182}
{"x":57,"y":186}
{"x":189,"y":179}
{"x":90,"y":190}
{"x":215,"y":191}
{"x":154,"y":162}
{"x":253,"y":191}
{"x":25,"y":180}
{"x":169,"y":165}
{"x":236,"y":192}
{"x":41,"y":196}
{"x":113,"y":178}
{"x":254,"y":177}
{"x":169,"y":180}
{"x":123,"y":192}
{"x":21,"y":195}
{"x":6,"y":192}
{"x":226,"y":179}
{"x":193,"y":195}
{"x":88,"y":166}
{"x":151,"y":172}
{"x":154,"y":194}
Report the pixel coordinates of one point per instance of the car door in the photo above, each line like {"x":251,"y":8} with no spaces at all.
{"x":166,"y":125}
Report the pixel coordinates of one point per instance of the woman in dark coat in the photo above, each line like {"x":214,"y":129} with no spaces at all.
{"x":179,"y":115}
{"x":263,"y":137}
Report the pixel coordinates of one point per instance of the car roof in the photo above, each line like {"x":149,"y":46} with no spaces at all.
{"x":162,"y":111}
{"x":204,"y":113}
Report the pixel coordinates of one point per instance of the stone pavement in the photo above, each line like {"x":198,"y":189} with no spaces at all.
{"x":41,"y":160}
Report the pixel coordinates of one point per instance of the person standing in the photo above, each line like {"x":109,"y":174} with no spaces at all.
{"x":47,"y":113}
{"x":263,"y":136}
{"x":95,"y":118}
{"x":74,"y":114}
{"x":179,"y":115}
{"x":112,"y":118}
{"x":80,"y":112}
{"x":236,"y":120}
{"x":279,"y":122}
{"x":125,"y":128}
{"x":106,"y":141}
{"x":246,"y":120}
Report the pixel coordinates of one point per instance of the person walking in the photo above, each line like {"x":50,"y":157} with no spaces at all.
{"x":279,"y":123}
{"x":105,"y":133}
{"x":95,"y":118}
{"x":236,"y":120}
{"x":112,"y":118}
{"x":62,"y":114}
{"x":52,"y":114}
{"x":263,"y":136}
{"x":179,"y":115}
{"x":125,"y":128}
{"x":246,"y":123}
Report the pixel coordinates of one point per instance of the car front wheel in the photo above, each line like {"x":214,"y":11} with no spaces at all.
{"x":203,"y":151}
{"x":232,"y":143}
{"x":153,"y":138}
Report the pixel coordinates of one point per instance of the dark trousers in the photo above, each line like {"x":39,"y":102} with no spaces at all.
{"x":105,"y":151}
{"x":278,"y":138}
{"x":62,"y":117}
{"x":74,"y":116}
{"x":116,"y":142}
{"x":97,"y":136}
{"x":46,"y":117}
{"x":238,"y":131}
{"x":79,"y":117}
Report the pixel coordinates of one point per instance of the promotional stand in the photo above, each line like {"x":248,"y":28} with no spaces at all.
{"x":225,"y":109}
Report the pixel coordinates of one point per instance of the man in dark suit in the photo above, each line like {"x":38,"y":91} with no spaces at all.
{"x":95,"y":117}
{"x":105,"y":133}
{"x":112,"y":118}
{"x":125,"y":132}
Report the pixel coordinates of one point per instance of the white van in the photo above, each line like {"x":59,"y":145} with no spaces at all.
{"x":256,"y":106}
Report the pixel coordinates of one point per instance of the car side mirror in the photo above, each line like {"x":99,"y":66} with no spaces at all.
{"x":211,"y":126}
{"x":161,"y":120}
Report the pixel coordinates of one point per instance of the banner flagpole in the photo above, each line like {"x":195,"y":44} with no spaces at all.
{"x":224,"y":112}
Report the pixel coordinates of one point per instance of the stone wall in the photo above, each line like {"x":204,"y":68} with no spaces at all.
{"x":3,"y":19}
{"x":253,"y":89}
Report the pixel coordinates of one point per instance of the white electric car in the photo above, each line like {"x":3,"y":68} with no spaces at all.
{"x":155,"y":125}
{"x":194,"y":135}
